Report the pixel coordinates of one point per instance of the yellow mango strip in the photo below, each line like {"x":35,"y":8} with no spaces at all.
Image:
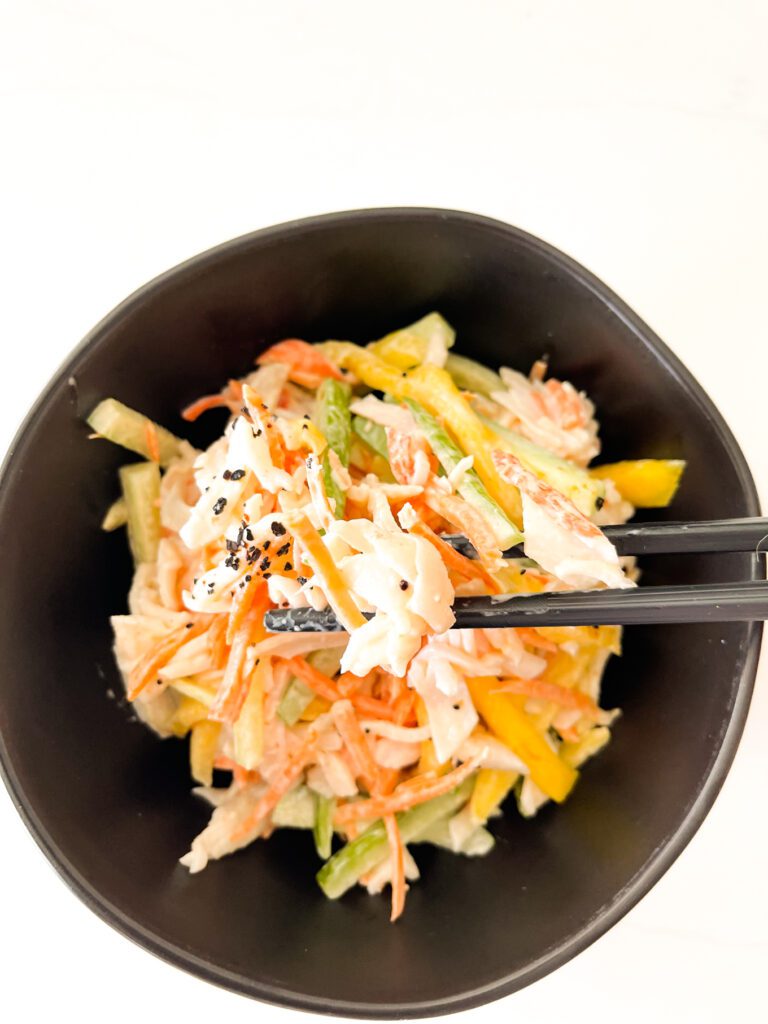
{"x":645,"y":483}
{"x":514,"y":728}
{"x":316,"y":707}
{"x":491,"y":788}
{"x":434,"y":389}
{"x":608,"y":637}
{"x":188,"y":713}
{"x":336,"y":590}
{"x":409,"y":346}
{"x":248,"y":730}
{"x":203,"y":745}
{"x":575,"y":754}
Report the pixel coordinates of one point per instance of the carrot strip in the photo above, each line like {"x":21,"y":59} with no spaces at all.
{"x":535,"y":639}
{"x":397,"y":853}
{"x":408,"y":794}
{"x":233,"y":688}
{"x":243,"y":601}
{"x":292,"y":770}
{"x":196,"y":409}
{"x":339,"y":598}
{"x":241,"y":775}
{"x":453,"y":559}
{"x":153,"y":442}
{"x":146,"y":669}
{"x":363,"y":765}
{"x":308,"y":366}
{"x":325,"y":687}
{"x":217,"y":642}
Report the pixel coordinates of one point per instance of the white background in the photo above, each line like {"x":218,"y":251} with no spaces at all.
{"x":633,"y":135}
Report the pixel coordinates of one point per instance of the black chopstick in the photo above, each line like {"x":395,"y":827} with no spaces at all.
{"x":699,"y":538}
{"x":703,"y":602}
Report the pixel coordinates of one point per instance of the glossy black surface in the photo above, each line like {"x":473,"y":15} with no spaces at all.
{"x":110,"y":804}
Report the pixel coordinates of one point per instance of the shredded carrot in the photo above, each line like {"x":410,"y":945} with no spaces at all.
{"x":397,"y":854}
{"x":453,"y":559}
{"x":146,"y":669}
{"x":535,"y":639}
{"x":293,"y":768}
{"x":307,"y":365}
{"x":336,"y":590}
{"x":363,"y":765}
{"x":217,"y":641}
{"x":233,"y":688}
{"x":153,"y":443}
{"x":408,"y":794}
{"x":196,"y":409}
{"x":254,"y":591}
{"x":325,"y":687}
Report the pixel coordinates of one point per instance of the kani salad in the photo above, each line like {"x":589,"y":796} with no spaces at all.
{"x":337,"y":472}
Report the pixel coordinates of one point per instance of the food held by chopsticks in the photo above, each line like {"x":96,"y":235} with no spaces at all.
{"x":338,"y":472}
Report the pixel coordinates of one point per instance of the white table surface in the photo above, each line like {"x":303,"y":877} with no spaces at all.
{"x":634,"y":136}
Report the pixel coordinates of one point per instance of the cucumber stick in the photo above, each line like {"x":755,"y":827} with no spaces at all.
{"x":124,"y":426}
{"x":324,"y":826}
{"x":352,"y":861}
{"x":335,"y":423}
{"x":471,"y":376}
{"x":471,"y":487}
{"x":374,"y":435}
{"x":116,"y":516}
{"x":141,"y":490}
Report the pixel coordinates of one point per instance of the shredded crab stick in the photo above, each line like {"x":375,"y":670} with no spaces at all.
{"x":332,"y":484}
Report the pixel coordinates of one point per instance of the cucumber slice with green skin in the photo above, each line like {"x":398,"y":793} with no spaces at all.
{"x":294,"y":702}
{"x":116,"y":516}
{"x":335,"y":424}
{"x":297,"y":809}
{"x":374,"y":435}
{"x":324,"y":826}
{"x":141,"y":490}
{"x":471,"y":487}
{"x":574,"y":482}
{"x":124,"y":426}
{"x":298,"y":696}
{"x":352,"y":861}
{"x":471,"y":376}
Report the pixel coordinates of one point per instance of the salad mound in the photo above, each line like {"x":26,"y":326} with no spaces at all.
{"x":339,"y":471}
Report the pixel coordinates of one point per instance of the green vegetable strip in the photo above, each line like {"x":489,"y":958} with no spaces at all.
{"x":295,"y":701}
{"x":572,"y":481}
{"x":471,"y":376}
{"x":324,"y":826}
{"x":374,"y":435}
{"x":347,"y":866}
{"x":335,"y":424}
{"x":116,"y":516}
{"x":141,"y":491}
{"x":471,"y":487}
{"x":124,"y":426}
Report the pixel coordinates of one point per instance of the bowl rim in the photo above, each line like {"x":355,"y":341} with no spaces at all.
{"x":665,"y":854}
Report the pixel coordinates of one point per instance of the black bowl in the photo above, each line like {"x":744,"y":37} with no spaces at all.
{"x":110,"y":804}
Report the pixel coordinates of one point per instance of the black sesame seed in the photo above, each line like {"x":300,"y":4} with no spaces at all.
{"x":404,"y":584}
{"x":219,"y":506}
{"x":283,"y":550}
{"x":226,"y":474}
{"x":301,"y":579}
{"x":267,"y":575}
{"x":278,"y":529}
{"x":287,"y":567}
{"x":249,"y":534}
{"x":457,"y":707}
{"x":306,"y":416}
{"x":265,"y":564}
{"x":233,"y":562}
{"x":266,"y":544}
{"x":305,"y":426}
{"x":232,"y":545}
{"x":257,"y":433}
{"x":599,"y":502}
{"x":523,"y":572}
{"x":248,"y":579}
{"x":238,"y":474}
{"x":189,"y":625}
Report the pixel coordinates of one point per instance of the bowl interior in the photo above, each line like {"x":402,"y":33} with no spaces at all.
{"x":111,"y":804}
